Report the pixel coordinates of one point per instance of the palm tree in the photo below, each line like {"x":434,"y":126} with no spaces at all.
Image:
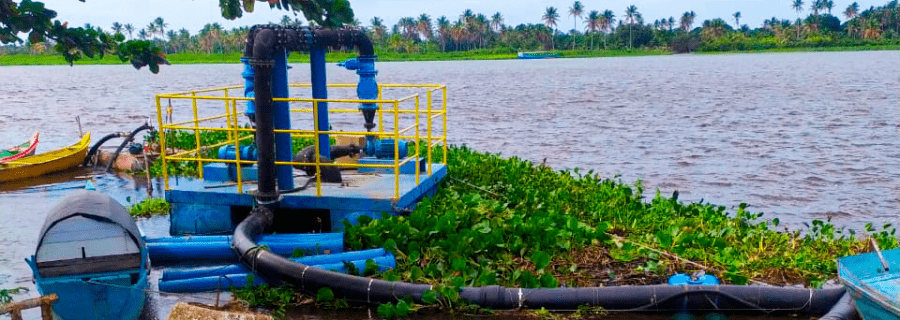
{"x":671,"y":22}
{"x":737,"y":20}
{"x":466,"y":16}
{"x":142,"y":34}
{"x":798,"y":6}
{"x":576,"y":11}
{"x":424,"y":26}
{"x":160,"y":26}
{"x":593,"y":24}
{"x":816,"y":5}
{"x":687,"y":20}
{"x":607,"y":20}
{"x":631,"y":14}
{"x":497,"y":21}
{"x":130,"y":29}
{"x":117,"y":27}
{"x":443,"y":31}
{"x":828,"y":5}
{"x":151,"y":30}
{"x":286,"y":20}
{"x":851,"y":13}
{"x":378,"y":27}
{"x":550,"y":17}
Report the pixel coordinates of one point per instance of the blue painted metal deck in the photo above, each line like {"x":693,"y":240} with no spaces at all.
{"x":202,"y":207}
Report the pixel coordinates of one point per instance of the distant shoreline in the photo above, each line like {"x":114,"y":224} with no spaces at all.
{"x":218,"y":58}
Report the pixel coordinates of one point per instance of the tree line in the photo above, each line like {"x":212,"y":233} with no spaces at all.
{"x":591,"y":30}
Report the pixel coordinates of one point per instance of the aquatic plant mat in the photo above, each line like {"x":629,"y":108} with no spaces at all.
{"x":509,"y":222}
{"x":193,"y":311}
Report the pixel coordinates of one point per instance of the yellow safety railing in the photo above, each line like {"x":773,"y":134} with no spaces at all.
{"x":234,"y":131}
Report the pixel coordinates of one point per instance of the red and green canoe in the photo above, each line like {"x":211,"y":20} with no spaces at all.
{"x":20,"y":151}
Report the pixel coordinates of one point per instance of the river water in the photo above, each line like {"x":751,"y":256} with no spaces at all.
{"x":799,"y":136}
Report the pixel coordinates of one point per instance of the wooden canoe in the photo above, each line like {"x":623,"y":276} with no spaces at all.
{"x":44,"y":163}
{"x":20,"y":151}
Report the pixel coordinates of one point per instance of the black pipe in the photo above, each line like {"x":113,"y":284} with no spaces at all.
{"x":90,"y":154}
{"x":843,"y":310}
{"x":655,"y":298}
{"x":264,"y":41}
{"x":308,"y":153}
{"x":128,"y":140}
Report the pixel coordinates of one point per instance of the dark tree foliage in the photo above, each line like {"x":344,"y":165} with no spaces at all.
{"x":39,"y":24}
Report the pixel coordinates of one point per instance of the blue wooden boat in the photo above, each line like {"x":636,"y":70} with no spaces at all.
{"x":873,"y":281}
{"x":92,"y":255}
{"x":537,"y":55}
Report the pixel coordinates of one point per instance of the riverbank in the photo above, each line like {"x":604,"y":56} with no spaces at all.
{"x":216,"y":58}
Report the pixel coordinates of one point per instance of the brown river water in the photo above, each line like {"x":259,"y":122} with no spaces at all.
{"x":799,"y":136}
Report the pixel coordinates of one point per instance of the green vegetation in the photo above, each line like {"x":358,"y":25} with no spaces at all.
{"x":6,"y":294}
{"x":37,"y":22}
{"x":508,"y":222}
{"x":277,"y":299}
{"x":182,"y":140}
{"x":149,"y":207}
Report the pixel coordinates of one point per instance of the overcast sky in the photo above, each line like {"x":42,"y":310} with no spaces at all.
{"x":193,"y":14}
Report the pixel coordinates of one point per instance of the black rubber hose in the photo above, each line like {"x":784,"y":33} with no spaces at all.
{"x":654,"y":298}
{"x":263,"y":48}
{"x":843,"y":310}
{"x":128,"y":140}
{"x":90,"y":154}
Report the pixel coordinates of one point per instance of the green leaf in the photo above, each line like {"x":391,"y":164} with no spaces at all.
{"x":429,"y":297}
{"x":387,"y":311}
{"x":324,"y":295}
{"x":541,"y":260}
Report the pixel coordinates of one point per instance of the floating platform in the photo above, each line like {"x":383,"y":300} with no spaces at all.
{"x":203,"y":207}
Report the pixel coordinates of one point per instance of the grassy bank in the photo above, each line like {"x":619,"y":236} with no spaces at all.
{"x":195,"y":58}
{"x":809,"y":49}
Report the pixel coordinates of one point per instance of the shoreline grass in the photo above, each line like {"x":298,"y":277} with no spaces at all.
{"x":231,"y":58}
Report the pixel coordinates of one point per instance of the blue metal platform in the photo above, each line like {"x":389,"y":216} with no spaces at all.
{"x":204,"y":207}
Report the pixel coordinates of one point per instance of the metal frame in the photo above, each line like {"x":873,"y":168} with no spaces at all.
{"x":233,"y":130}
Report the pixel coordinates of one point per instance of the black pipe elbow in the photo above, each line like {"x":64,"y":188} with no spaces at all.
{"x":345,"y":37}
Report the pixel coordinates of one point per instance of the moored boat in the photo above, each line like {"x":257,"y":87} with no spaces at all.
{"x":23,"y":150}
{"x":873,"y":280}
{"x":537,"y":55}
{"x":44,"y":163}
{"x":91,"y":254}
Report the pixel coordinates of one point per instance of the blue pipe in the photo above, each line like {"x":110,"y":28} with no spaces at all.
{"x":325,"y":259}
{"x":249,"y":88}
{"x":320,"y":91}
{"x":284,"y":237}
{"x":209,"y":252}
{"x":367,"y":89}
{"x":238,"y":280}
{"x":282,"y":116}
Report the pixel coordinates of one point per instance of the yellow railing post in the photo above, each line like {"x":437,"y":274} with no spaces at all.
{"x":197,"y":134}
{"x":444,"y":89}
{"x":380,"y":114}
{"x":162,"y":142}
{"x":228,"y":115}
{"x":237,"y":149}
{"x":316,"y":143}
{"x":396,"y":151}
{"x":428,"y":127}
{"x":417,"y":140}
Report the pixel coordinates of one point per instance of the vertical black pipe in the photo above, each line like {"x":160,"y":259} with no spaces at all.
{"x":263,"y":47}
